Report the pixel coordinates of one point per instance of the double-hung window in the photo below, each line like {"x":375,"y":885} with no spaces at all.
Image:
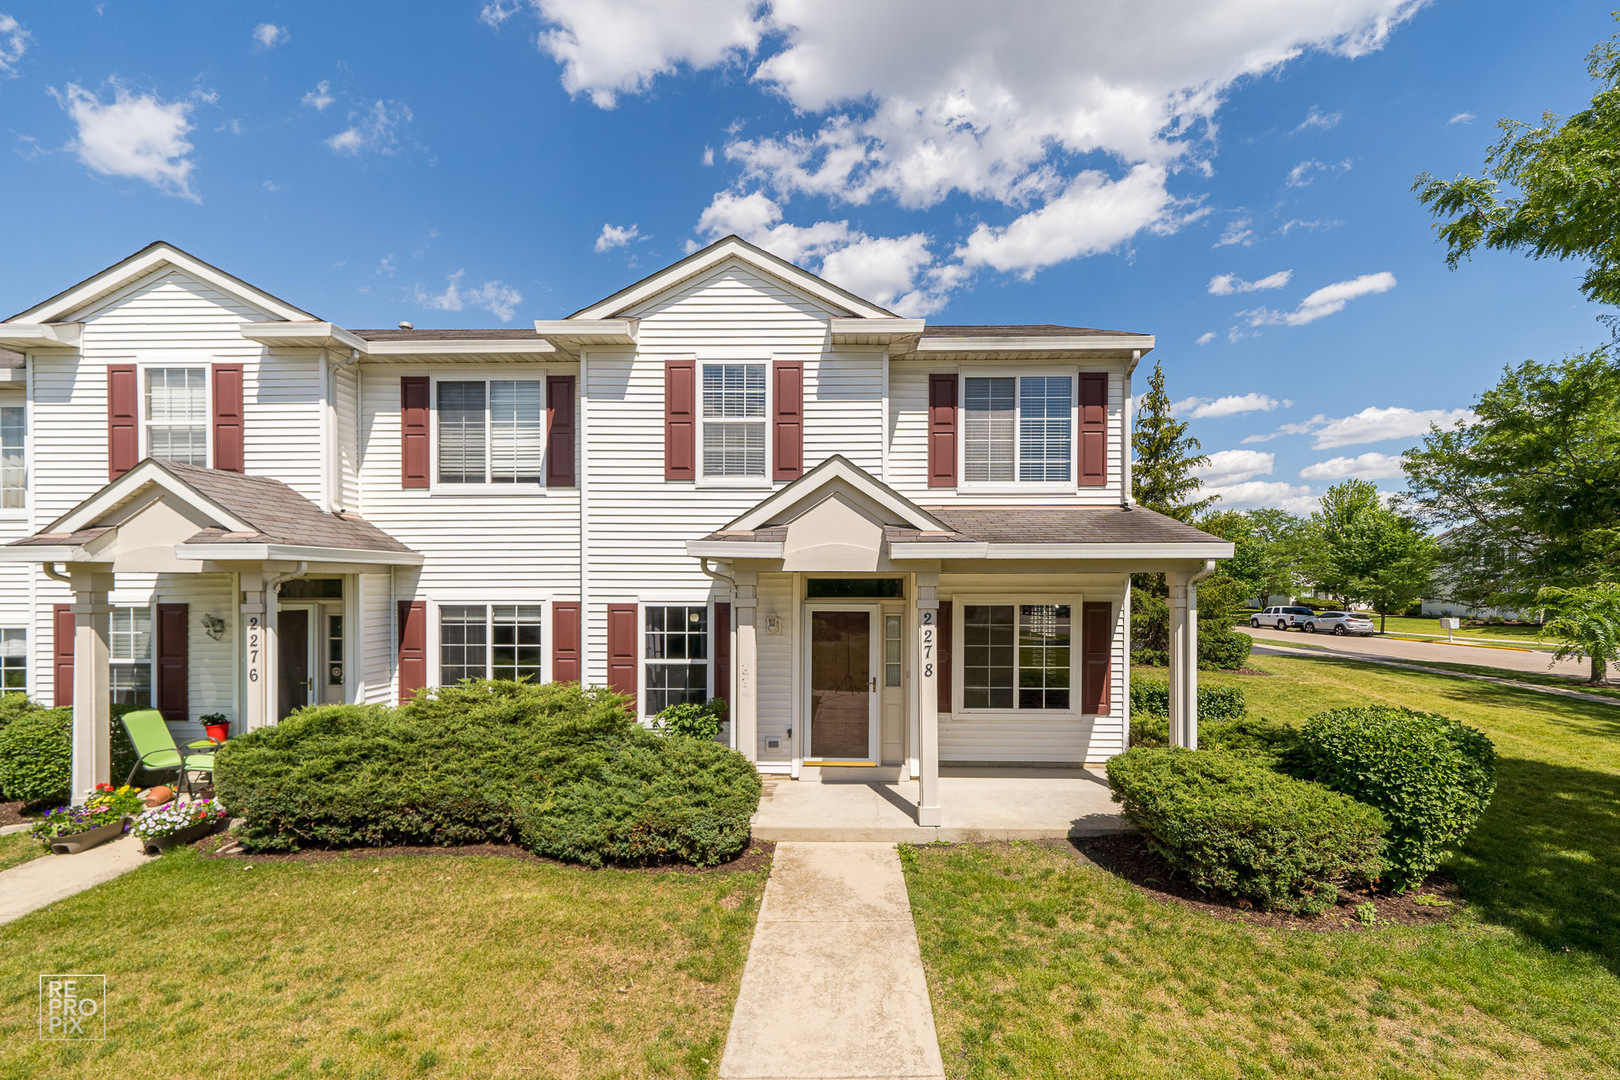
{"x":489,"y":641}
{"x":13,"y":660}
{"x":491,"y":431}
{"x":177,"y":414}
{"x":734,"y":420}
{"x":677,"y":656}
{"x":1018,"y":429}
{"x":13,"y":471}
{"x":129,"y":648}
{"x":1016,"y":656}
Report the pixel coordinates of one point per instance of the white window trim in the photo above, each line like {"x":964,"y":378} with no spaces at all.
{"x":150,"y":604}
{"x":435,"y":606}
{"x":1015,"y":486}
{"x":707,"y":603}
{"x":1076,"y":666}
{"x":142,"y":376}
{"x":762,"y":482}
{"x":436,"y":487}
{"x":27,"y":660}
{"x":21,"y":513}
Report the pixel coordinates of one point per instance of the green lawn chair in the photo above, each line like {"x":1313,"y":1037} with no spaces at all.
{"x":155,"y":750}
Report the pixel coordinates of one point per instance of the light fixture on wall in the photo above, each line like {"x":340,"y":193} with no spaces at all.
{"x":214,"y":625}
{"x":773,"y":624}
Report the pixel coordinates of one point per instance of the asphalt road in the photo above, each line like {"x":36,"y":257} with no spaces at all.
{"x":1379,"y":648}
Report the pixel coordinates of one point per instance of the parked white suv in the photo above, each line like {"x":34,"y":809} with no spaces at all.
{"x":1281,"y":617}
{"x":1340,"y":622}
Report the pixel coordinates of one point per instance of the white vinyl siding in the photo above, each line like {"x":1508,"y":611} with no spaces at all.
{"x":734,"y":420}
{"x":13,"y":457}
{"x":176,"y":414}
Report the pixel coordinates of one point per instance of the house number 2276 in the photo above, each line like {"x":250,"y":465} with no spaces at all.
{"x":254,"y":645}
{"x":927,"y":643}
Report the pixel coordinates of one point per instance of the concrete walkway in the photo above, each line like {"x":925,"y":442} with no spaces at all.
{"x":50,"y":878}
{"x":834,"y":986}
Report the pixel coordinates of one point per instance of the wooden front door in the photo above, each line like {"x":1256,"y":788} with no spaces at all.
{"x":843,"y":684}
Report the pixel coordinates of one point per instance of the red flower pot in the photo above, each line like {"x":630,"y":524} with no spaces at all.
{"x":217,"y":731}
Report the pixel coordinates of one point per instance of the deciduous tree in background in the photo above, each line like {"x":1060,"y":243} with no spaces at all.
{"x":1585,"y":621}
{"x":1364,"y":551}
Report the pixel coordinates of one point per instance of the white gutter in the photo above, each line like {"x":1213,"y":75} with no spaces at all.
{"x":734,"y":549}
{"x":945,"y":549}
{"x":292,"y":552}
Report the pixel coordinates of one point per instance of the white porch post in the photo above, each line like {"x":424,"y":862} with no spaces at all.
{"x":257,"y":697}
{"x":1183,"y":660}
{"x":927,"y":684}
{"x":92,"y":702}
{"x":745,"y":663}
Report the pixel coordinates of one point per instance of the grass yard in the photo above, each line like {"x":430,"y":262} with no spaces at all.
{"x":387,"y":967}
{"x":18,"y":848}
{"x":1507,"y":635}
{"x":1043,"y":965}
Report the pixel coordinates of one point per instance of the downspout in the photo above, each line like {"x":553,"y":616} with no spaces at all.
{"x":54,"y":574}
{"x":274,"y":585}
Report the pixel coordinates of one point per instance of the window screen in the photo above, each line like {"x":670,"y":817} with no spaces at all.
{"x":177,"y":414}
{"x":517,"y":429}
{"x":12,"y":474}
{"x":1044,"y":454}
{"x":988,"y":426}
{"x":1018,"y":428}
{"x":734,"y":420}
{"x":129,"y":648}
{"x":461,"y":432}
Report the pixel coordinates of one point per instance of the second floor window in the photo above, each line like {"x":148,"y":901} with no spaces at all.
{"x":13,"y":473}
{"x":1017,"y":429}
{"x":491,"y":432}
{"x":734,"y":420}
{"x":177,"y":414}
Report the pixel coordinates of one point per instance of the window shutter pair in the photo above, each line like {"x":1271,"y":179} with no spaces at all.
{"x":415,"y":410}
{"x":124,"y":418}
{"x":1091,"y":447}
{"x":171,"y":653}
{"x":680,"y":419}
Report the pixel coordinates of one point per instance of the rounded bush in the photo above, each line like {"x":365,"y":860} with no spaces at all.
{"x":1151,"y":697}
{"x":36,"y":752}
{"x":1234,"y":825}
{"x":1430,"y":776}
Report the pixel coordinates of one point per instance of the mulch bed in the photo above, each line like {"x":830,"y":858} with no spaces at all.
{"x":224,"y":846}
{"x":11,"y":813}
{"x":1127,"y":855}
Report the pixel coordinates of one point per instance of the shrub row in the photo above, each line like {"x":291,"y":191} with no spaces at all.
{"x":563,"y":770}
{"x":1151,"y":697}
{"x":36,"y":750}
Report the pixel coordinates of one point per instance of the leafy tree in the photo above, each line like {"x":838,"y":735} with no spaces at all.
{"x":1364,"y":551}
{"x":1162,"y":474}
{"x":1286,"y":542}
{"x":1566,"y":173}
{"x":1586,"y":622}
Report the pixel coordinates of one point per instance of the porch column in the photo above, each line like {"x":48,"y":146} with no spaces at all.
{"x":926,"y":665}
{"x":257,"y":673}
{"x":1183,"y":660}
{"x":745,"y":665}
{"x":92,"y":700}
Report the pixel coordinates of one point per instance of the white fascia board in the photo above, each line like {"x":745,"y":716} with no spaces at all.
{"x":945,"y":347}
{"x":590,"y":331}
{"x":377,"y":350}
{"x":146,"y":472}
{"x":1120,"y":551}
{"x":22,"y":336}
{"x":733,"y":549}
{"x":841,"y":469}
{"x":306,"y":335}
{"x":873,"y":331}
{"x":43,"y":553}
{"x":144,"y":262}
{"x":294,"y":553}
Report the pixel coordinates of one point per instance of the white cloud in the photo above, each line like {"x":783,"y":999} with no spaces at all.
{"x":617,"y":236}
{"x":1309,"y":226}
{"x":1302,"y":174}
{"x":1368,"y":466}
{"x":1370,"y":425}
{"x":1257,"y":494}
{"x":1227,"y":284}
{"x":14,"y":39}
{"x":708,"y":155}
{"x":1206,"y":337}
{"x":494,"y":14}
{"x":134,"y":135}
{"x":1198,"y":408}
{"x":1328,"y":300}
{"x":1235,"y":466}
{"x":1316,"y":118}
{"x":269,"y":35}
{"x":377,"y":129}
{"x":1462,"y":118}
{"x":496,"y":297}
{"x":1238,"y":231}
{"x":320,"y":97}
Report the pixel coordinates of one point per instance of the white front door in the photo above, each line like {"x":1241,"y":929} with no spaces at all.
{"x":843,"y":664}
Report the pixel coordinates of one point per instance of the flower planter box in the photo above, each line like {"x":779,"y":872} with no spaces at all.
{"x":157,"y":845}
{"x":74,"y":843}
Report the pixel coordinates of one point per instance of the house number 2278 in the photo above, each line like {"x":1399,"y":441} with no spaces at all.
{"x":927,"y":643}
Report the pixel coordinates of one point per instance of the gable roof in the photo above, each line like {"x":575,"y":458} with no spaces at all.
{"x":150,"y":258}
{"x":731,"y":247}
{"x":830,"y":474}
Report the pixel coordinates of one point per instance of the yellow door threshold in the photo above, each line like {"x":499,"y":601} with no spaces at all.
{"x":840,"y":764}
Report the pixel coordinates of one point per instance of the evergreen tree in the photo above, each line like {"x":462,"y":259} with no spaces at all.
{"x":1162,"y":474}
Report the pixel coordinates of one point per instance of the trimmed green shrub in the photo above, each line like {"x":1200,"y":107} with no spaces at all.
{"x":1430,"y":776}
{"x":563,"y":769}
{"x":1151,"y":697}
{"x":1232,"y":824}
{"x":691,"y":719}
{"x":36,"y":751}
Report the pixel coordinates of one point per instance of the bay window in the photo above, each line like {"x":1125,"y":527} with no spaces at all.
{"x":1016,"y":656}
{"x":177,"y":414}
{"x":734,"y":420}
{"x":490,"y":641}
{"x":491,"y":431}
{"x":1018,"y":429}
{"x":676,"y":659}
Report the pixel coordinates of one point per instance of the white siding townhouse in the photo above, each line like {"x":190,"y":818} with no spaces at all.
{"x":886,"y":544}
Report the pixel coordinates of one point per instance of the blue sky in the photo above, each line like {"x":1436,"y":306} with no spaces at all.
{"x":1230,"y":175}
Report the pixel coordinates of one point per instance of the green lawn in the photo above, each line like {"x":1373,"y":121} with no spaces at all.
{"x":1520,"y":635}
{"x":1042,"y":965}
{"x":387,"y":967}
{"x":18,"y":848}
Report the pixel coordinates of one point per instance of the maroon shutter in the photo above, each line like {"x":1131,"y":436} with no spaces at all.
{"x":228,"y":453}
{"x":123,"y":419}
{"x":171,"y":653}
{"x":942,"y":651}
{"x":560,"y":432}
{"x":942,"y":431}
{"x":1093,"y":441}
{"x":565,"y":666}
{"x":787,"y":427}
{"x":413,"y":430}
{"x":621,"y":648}
{"x":62,"y":624}
{"x":1096,"y":647}
{"x":680,"y":420}
{"x":722,"y":653}
{"x":413,"y":668}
